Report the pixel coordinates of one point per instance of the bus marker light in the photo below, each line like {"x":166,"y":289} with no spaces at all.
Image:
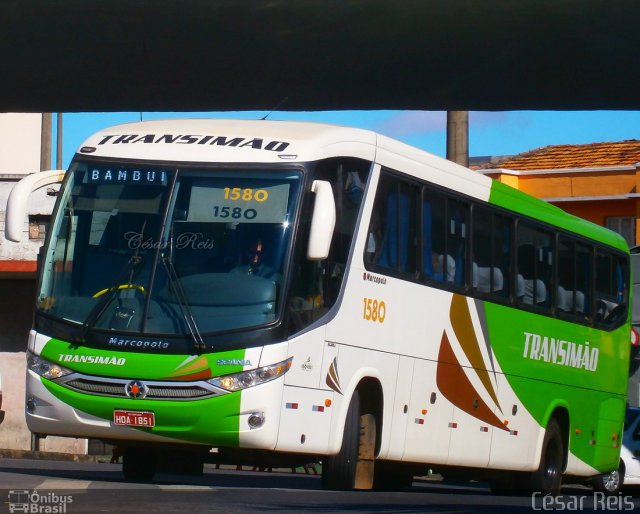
{"x":484,"y":429}
{"x":419,"y":421}
{"x":292,"y":405}
{"x":327,"y":403}
{"x":578,"y":431}
{"x":453,"y":425}
{"x":318,"y":408}
{"x":505,"y":422}
{"x":592,"y":442}
{"x":424,"y":411}
{"x":513,"y":432}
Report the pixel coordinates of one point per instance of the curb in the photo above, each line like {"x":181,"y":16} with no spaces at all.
{"x":40,"y":455}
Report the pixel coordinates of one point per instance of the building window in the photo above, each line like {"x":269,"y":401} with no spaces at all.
{"x":38,"y":227}
{"x":625,"y":226}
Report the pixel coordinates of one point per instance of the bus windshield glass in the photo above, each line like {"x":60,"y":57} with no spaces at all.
{"x":153,"y":250}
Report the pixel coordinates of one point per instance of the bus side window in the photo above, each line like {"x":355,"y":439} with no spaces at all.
{"x":457,"y":239}
{"x":436,"y":263}
{"x":491,"y":252}
{"x":574,"y":277}
{"x":611,"y":290}
{"x":392,"y":238}
{"x":535,"y":265}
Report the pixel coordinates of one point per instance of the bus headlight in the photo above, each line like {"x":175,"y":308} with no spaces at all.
{"x":45,"y":368}
{"x":254,"y":377}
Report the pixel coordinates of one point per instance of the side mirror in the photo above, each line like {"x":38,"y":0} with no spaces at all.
{"x":17,"y":202}
{"x":323,"y":221}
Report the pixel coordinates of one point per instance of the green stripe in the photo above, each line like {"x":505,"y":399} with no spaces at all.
{"x":514,"y":200}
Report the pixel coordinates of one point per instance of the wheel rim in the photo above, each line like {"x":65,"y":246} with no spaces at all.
{"x":611,"y":481}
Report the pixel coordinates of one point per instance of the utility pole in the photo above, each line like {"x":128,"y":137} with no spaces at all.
{"x":59,"y":142}
{"x":45,"y":142}
{"x":458,"y":137}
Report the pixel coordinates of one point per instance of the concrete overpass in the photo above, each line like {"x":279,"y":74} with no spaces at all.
{"x":319,"y":54}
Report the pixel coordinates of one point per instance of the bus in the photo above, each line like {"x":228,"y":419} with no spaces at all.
{"x":271,"y":292}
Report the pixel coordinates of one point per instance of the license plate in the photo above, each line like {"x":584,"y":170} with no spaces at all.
{"x":132,"y":418}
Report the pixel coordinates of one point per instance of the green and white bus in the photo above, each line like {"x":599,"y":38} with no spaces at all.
{"x":286,"y":292}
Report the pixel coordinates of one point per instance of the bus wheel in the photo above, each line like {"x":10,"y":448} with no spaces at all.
{"x":138,"y":464}
{"x":353,"y":466}
{"x":610,"y":483}
{"x":548,"y":478}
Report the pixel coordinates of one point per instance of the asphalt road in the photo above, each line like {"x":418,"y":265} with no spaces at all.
{"x":70,"y":487}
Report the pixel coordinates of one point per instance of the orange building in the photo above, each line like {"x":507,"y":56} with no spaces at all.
{"x":599,"y":182}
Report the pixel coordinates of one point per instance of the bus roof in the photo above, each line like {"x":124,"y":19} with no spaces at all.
{"x":268,"y":141}
{"x":207,"y":140}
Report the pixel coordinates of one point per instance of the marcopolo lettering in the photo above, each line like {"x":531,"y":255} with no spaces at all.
{"x":136,"y":343}
{"x":561,"y":352}
{"x":255,"y":143}
{"x":93,"y":359}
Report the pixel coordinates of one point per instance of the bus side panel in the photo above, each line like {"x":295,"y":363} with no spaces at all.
{"x":402,"y":404}
{"x":550,"y":363}
{"x":524,"y":437}
{"x":428,"y":430}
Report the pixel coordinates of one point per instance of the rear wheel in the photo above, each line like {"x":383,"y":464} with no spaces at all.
{"x":353,"y":466}
{"x":548,"y":477}
{"x":139,"y":464}
{"x":610,"y":483}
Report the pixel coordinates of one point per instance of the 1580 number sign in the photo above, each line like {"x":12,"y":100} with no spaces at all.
{"x":374,"y":310}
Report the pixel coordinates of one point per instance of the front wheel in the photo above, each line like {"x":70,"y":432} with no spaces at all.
{"x":353,"y":466}
{"x":547,"y":479}
{"x":610,"y":483}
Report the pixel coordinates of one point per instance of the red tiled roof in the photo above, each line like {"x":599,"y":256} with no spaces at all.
{"x":595,"y":155}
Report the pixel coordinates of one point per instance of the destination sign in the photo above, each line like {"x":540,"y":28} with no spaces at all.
{"x":239,"y":202}
{"x":120,"y":175}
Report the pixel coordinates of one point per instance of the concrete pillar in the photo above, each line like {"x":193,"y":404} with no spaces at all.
{"x":458,"y":137}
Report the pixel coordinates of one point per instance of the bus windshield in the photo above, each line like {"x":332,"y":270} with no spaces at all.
{"x":154,"y":250}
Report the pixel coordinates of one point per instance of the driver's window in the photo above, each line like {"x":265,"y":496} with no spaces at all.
{"x":611,"y":289}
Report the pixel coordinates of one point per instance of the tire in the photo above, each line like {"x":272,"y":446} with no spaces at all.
{"x":547,"y":479}
{"x":353,"y":466}
{"x":139,"y":464}
{"x":610,"y":483}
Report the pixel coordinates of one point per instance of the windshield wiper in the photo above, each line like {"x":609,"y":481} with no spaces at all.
{"x":107,"y":295}
{"x":178,"y":292}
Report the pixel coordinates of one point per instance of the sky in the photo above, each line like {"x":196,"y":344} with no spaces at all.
{"x":490,"y":133}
